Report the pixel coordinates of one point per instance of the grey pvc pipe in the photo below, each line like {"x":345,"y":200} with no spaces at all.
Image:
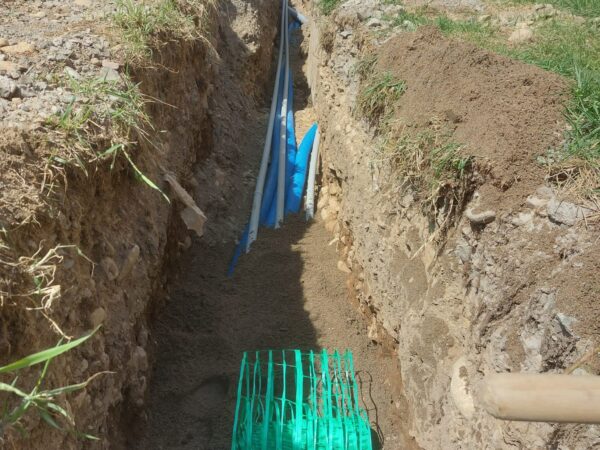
{"x":542,"y":397}
{"x":262,"y":173}
{"x":283,"y":133}
{"x":312,"y":173}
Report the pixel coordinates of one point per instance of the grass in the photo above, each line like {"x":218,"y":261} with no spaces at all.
{"x":146,"y":25}
{"x":477,"y":32}
{"x":376,"y":100}
{"x":43,"y":401}
{"x":365,"y":67}
{"x":408,"y":20}
{"x":111,"y":111}
{"x":434,"y":166}
{"x":583,"y":8}
{"x":428,"y":159}
{"x":328,"y":6}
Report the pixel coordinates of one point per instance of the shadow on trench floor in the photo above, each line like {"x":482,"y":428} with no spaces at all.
{"x":287,"y":293}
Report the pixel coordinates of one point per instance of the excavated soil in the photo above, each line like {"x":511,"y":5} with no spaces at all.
{"x":505,"y":112}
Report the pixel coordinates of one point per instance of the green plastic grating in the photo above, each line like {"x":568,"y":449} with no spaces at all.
{"x":290,"y":400}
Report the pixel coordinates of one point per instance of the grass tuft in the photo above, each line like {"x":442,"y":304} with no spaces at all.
{"x":428,"y":159}
{"x":146,"y":25}
{"x":409,"y":20}
{"x":436,"y":168}
{"x":103,"y":111}
{"x":475,"y":31}
{"x":43,"y":401}
{"x":365,"y":67}
{"x":377,"y":99}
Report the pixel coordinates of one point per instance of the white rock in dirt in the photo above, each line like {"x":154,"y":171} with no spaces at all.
{"x":521,"y":36}
{"x":393,"y":10}
{"x":536,"y":202}
{"x":192,"y":215}
{"x":374,"y":22}
{"x":566,"y":322}
{"x":545,"y":11}
{"x":108,"y":74}
{"x":110,"y":64}
{"x":21,"y":48}
{"x":460,"y":389}
{"x":8,"y":88}
{"x":564,"y":212}
{"x":463,"y":250}
{"x":372,"y":330}
{"x":322,"y":202}
{"x":522,"y":218}
{"x":481,"y":218}
{"x":334,"y":204}
{"x":72,"y":73}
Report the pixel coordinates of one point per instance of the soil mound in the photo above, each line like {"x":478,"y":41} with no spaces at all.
{"x":505,"y":112}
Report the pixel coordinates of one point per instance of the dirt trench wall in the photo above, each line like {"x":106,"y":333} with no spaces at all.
{"x":488,"y":298}
{"x":128,"y":232}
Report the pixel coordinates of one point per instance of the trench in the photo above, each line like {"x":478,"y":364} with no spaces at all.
{"x":286,"y":293}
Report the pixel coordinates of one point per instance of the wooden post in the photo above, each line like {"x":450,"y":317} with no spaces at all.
{"x":542,"y":397}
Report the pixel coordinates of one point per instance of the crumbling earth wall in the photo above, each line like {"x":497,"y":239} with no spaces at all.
{"x":127,"y":231}
{"x":511,"y":285}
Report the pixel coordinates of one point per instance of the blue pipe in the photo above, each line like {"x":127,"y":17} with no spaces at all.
{"x":294,"y":194}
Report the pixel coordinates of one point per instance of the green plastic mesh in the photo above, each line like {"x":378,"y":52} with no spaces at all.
{"x":290,"y":400}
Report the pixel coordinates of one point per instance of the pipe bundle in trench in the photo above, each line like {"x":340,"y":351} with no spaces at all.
{"x":284,"y":166}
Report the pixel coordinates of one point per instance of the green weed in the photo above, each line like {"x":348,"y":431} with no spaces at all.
{"x":427,"y":158}
{"x":433,"y":166}
{"x":377,"y":99}
{"x":43,"y":401}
